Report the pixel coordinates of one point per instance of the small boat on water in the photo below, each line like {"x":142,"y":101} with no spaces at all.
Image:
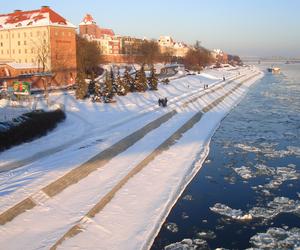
{"x":274,"y":70}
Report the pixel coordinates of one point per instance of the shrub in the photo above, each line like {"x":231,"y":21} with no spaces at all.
{"x":28,"y":127}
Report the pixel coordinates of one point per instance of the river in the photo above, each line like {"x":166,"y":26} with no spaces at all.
{"x":249,"y":183}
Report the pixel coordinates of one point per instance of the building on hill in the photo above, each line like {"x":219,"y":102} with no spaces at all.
{"x":168,"y":45}
{"x":108,"y":43}
{"x":116,"y":49}
{"x":41,"y":38}
{"x":219,"y":56}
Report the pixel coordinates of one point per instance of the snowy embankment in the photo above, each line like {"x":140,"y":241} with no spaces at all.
{"x":138,"y":208}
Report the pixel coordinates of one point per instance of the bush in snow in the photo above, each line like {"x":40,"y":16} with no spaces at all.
{"x":28,"y":126}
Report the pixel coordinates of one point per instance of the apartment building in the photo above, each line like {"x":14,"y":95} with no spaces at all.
{"x":41,"y":38}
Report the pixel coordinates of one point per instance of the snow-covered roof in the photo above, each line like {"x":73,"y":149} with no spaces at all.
{"x":88,"y":19}
{"x":41,"y":17}
{"x":16,"y":65}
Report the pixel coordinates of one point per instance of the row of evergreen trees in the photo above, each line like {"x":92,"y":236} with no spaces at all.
{"x":113,"y":85}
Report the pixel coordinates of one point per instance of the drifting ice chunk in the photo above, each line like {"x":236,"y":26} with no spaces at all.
{"x":172,"y":227}
{"x":247,"y":148}
{"x":206,"y":235}
{"x":235,"y":214}
{"x":188,"y":197}
{"x":277,"y":238}
{"x":188,"y":244}
{"x":275,"y":207}
{"x":262,"y":169}
{"x":244,"y":172}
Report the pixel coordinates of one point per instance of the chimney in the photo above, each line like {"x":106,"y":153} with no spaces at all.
{"x":45,"y":7}
{"x":17,"y":11}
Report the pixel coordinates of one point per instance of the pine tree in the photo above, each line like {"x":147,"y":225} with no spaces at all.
{"x":153,"y":80}
{"x":121,"y":90}
{"x":113,"y":82}
{"x":82,"y":88}
{"x":97,"y":92}
{"x":128,"y":82}
{"x":108,"y":88}
{"x":91,"y":87}
{"x":141,"y":80}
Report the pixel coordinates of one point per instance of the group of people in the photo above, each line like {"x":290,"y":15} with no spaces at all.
{"x":162,"y":102}
{"x":205,"y":86}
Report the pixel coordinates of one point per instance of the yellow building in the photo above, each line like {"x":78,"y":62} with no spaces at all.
{"x":41,"y":38}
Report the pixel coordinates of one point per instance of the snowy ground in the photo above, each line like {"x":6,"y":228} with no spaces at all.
{"x":138,"y":208}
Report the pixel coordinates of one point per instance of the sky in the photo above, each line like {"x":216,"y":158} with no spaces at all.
{"x":244,"y":27}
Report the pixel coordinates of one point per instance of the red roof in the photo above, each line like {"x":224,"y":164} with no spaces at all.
{"x":88,"y":18}
{"x":32,"y":15}
{"x":107,"y":32}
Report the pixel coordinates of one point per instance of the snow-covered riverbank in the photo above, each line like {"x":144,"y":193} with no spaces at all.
{"x":133,"y":216}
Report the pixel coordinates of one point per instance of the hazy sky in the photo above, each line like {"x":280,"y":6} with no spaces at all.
{"x":244,"y":27}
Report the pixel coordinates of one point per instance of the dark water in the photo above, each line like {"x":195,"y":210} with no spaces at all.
{"x":268,"y":119}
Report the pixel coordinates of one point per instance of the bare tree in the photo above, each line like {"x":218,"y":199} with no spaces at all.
{"x":149,"y":52}
{"x":41,"y":48}
{"x":88,"y":56}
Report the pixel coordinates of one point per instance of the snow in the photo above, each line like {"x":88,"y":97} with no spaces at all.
{"x":139,"y":208}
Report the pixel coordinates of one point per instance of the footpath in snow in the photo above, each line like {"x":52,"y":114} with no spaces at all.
{"x":129,"y":196}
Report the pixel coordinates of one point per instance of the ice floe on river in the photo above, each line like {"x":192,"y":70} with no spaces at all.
{"x":279,"y":175}
{"x":188,"y":244}
{"x":273,"y":208}
{"x":277,"y":238}
{"x":269,"y":151}
{"x":172,"y":227}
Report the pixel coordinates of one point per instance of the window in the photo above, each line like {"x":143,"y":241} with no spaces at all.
{"x":13,"y":51}
{"x":19,"y":43}
{"x":19,"y":35}
{"x":25,"y":51}
{"x":31,"y":34}
{"x":26,"y":62}
{"x":24,"y":34}
{"x":1,"y":44}
{"x":32,"y":51}
{"x":8,"y":51}
{"x":24,"y":42}
{"x":44,"y":33}
{"x":19,"y":51}
{"x":12,"y":35}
